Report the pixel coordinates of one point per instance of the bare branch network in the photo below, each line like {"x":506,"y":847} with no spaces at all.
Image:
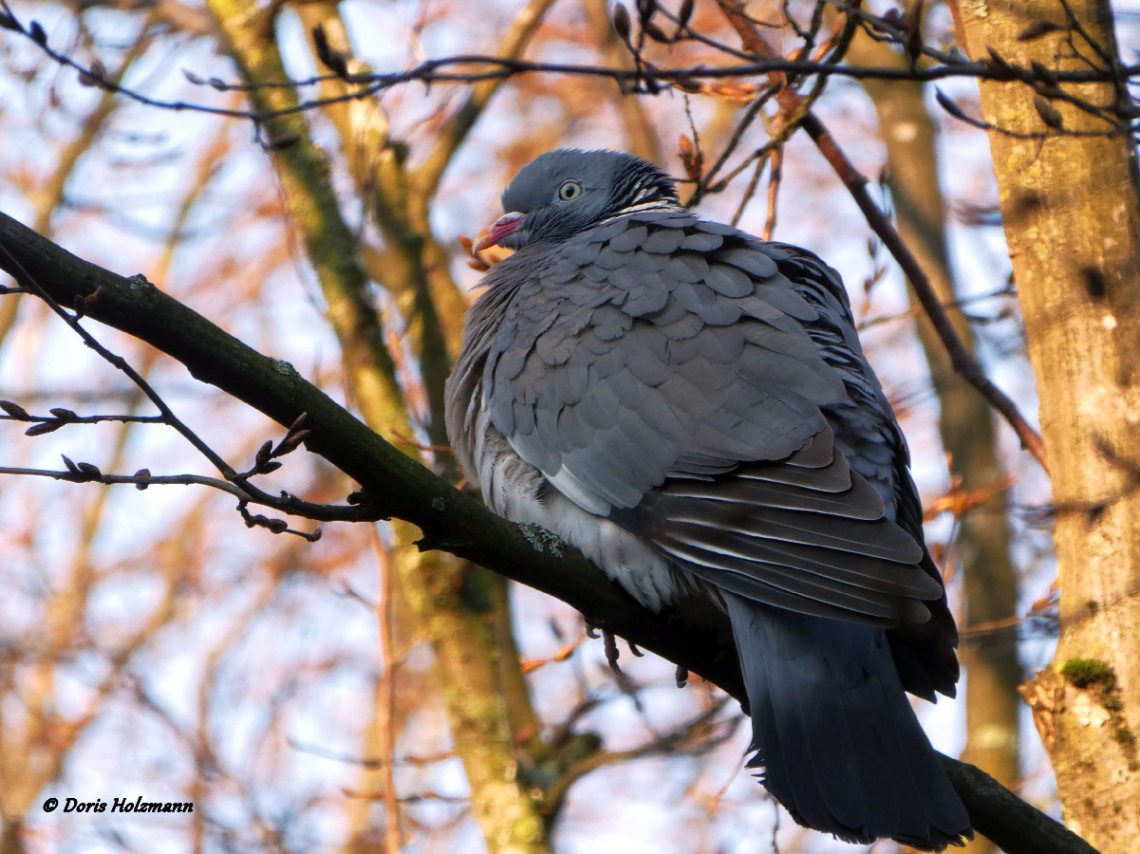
{"x":395,"y":486}
{"x":236,"y":483}
{"x":925,"y":64}
{"x":784,"y":76}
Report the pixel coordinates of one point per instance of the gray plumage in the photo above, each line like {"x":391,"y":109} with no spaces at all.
{"x":691,"y":407}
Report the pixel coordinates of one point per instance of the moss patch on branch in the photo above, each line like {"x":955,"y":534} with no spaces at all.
{"x":1099,"y":678}
{"x":1087,"y":672}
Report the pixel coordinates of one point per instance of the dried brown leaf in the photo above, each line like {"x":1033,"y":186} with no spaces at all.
{"x":691,"y":158}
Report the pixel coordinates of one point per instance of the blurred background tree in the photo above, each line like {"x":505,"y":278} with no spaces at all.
{"x":357,"y":694}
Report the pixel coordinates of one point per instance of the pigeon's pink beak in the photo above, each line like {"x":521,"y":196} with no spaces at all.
{"x":504,"y":226}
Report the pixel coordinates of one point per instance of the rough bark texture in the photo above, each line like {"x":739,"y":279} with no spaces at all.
{"x":965,"y":422}
{"x":1072,"y":224}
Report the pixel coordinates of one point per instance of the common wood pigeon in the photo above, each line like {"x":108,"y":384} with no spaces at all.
{"x":690,"y":407}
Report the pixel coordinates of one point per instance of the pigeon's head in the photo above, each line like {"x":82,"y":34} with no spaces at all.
{"x":564,"y":192}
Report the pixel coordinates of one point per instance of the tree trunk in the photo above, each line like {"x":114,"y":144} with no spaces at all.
{"x":434,"y":583}
{"x":1072,"y":224}
{"x":965,"y":423}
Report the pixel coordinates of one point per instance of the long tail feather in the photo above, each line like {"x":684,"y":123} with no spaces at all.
{"x":838,"y":742}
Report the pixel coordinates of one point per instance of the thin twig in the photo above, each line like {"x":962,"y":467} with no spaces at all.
{"x":86,"y":473}
{"x":386,"y":691}
{"x":963,"y":361}
{"x":774,"y":175}
{"x":84,"y":419}
{"x":750,"y":190}
{"x":27,"y":281}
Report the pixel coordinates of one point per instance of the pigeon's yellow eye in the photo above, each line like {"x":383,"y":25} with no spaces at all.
{"x":569,"y":191}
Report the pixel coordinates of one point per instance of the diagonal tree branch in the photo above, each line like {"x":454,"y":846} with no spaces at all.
{"x":450,"y":520}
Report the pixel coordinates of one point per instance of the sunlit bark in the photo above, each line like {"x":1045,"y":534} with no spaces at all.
{"x":1072,"y":223}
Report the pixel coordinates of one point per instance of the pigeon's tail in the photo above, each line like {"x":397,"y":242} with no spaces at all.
{"x":839,"y":744}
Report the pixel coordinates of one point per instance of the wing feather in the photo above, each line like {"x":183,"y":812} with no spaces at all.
{"x":683,"y":380}
{"x":850,"y":601}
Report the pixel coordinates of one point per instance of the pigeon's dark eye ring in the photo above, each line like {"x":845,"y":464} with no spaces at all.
{"x":569,"y":191}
